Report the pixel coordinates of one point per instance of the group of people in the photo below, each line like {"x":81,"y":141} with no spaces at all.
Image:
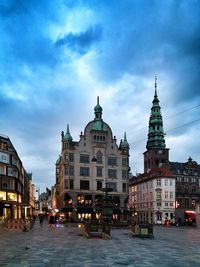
{"x":52,"y":219}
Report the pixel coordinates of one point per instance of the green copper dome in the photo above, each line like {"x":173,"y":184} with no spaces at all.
{"x":68,"y":136}
{"x":156,"y":132}
{"x":99,"y":125}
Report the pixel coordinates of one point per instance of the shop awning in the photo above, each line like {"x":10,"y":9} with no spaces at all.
{"x":85,"y":209}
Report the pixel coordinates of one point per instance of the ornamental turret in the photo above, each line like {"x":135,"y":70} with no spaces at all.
{"x":124,"y":144}
{"x":98,"y":124}
{"x":67,"y":136}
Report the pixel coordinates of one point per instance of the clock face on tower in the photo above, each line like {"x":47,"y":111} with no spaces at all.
{"x":159,"y":151}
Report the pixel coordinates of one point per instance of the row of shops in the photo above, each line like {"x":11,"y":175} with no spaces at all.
{"x":88,"y":212}
{"x":10,"y":210}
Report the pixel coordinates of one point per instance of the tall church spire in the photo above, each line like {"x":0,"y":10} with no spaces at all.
{"x":156,"y":133}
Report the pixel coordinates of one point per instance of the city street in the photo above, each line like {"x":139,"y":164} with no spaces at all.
{"x":42,"y":246}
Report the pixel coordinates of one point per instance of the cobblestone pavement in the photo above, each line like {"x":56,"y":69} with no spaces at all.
{"x":44,"y":247}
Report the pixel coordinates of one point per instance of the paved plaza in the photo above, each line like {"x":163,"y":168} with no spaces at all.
{"x":44,"y":247}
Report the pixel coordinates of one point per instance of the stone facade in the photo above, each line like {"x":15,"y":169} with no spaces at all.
{"x":87,"y":166}
{"x":152,"y":196}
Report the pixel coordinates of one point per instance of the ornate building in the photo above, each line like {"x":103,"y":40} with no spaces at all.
{"x":87,"y":166}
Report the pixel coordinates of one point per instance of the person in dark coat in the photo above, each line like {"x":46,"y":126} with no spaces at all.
{"x":51,"y":221}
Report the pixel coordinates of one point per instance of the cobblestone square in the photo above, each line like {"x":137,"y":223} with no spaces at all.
{"x":45,"y":247}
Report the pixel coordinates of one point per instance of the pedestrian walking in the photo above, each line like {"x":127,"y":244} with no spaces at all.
{"x":41,"y":219}
{"x":51,"y":221}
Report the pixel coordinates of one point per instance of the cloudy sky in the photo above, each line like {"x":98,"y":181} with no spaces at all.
{"x":57,"y":56}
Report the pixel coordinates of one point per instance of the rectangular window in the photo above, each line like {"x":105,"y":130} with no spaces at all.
{"x":4,"y":146}
{"x":84,"y":171}
{"x":71,"y":170}
{"x":66,"y":170}
{"x":99,"y":185}
{"x":124,"y":187}
{"x":66,"y":157}
{"x":84,"y":158}
{"x":166,"y":204}
{"x":166,"y":194}
{"x":11,"y":184}
{"x":12,"y":196}
{"x":158,"y":182}
{"x":1,"y":169}
{"x":14,"y":160}
{"x":112,"y":161}
{"x":158,"y":204}
{"x":124,"y":162}
{"x":112,"y":173}
{"x":158,"y":194}
{"x":66,"y":184}
{"x":4,"y":157}
{"x":71,"y":157}
{"x":99,"y":171}
{"x":71,"y":184}
{"x":2,"y":195}
{"x":99,"y":157}
{"x":171,"y":204}
{"x":124,"y":174}
{"x":112,"y":186}
{"x":171,"y":194}
{"x":84,"y":185}
{"x":171,"y":182}
{"x":166,"y":182}
{"x":10,"y":172}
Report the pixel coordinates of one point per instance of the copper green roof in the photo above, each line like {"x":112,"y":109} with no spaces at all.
{"x":98,"y":123}
{"x":124,"y":143}
{"x":156,"y":132}
{"x":67,"y":136}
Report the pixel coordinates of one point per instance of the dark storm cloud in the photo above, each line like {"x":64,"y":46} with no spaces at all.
{"x":24,"y":36}
{"x":147,"y":37}
{"x":83,"y":41}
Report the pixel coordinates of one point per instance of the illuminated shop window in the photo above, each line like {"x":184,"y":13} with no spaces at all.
{"x":19,"y":198}
{"x":12,"y":196}
{"x":2,"y":195}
